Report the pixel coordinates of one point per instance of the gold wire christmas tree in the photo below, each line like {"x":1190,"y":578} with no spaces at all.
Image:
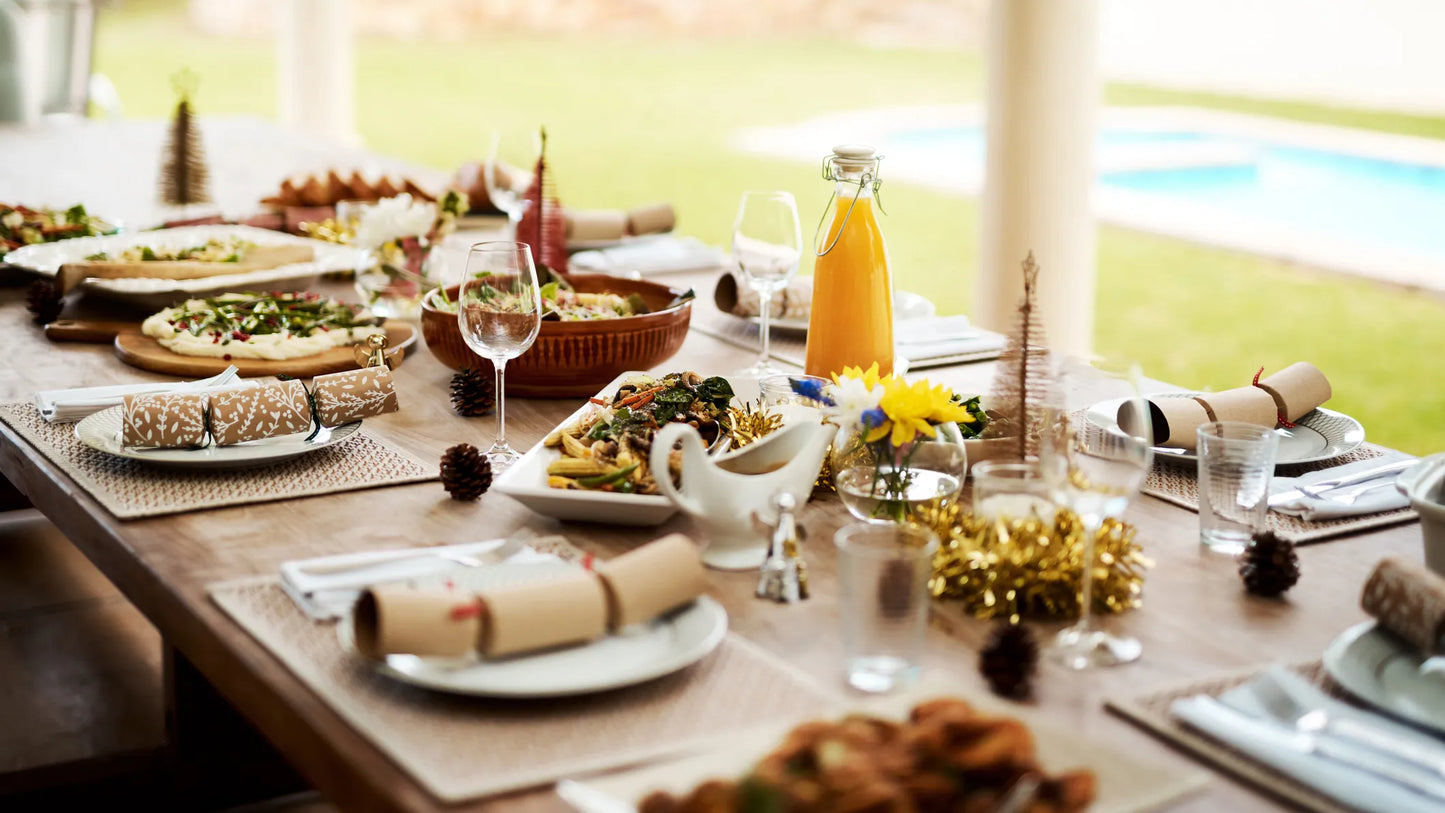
{"x":1021,"y":383}
{"x":184,"y":178}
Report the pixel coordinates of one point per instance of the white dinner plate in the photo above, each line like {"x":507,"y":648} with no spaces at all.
{"x":906,"y":305}
{"x":1382,"y":670}
{"x":634,"y":654}
{"x":46,"y":258}
{"x":526,"y":480}
{"x":1322,"y":434}
{"x":101,"y":431}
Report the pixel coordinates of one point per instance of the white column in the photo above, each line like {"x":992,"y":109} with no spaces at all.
{"x":1043,"y":90}
{"x":317,"y":73}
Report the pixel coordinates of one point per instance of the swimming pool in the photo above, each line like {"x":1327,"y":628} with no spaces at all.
{"x":1309,"y":192}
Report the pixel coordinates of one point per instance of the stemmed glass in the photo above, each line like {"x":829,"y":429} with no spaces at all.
{"x":507,"y":182}
{"x":1095,"y":471}
{"x":499,"y":311}
{"x":767,"y":245}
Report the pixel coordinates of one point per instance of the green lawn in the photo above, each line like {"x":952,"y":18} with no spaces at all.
{"x":634,"y":121}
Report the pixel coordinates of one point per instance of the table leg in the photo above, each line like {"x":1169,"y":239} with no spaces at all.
{"x":11,"y":498}
{"x":219,"y":759}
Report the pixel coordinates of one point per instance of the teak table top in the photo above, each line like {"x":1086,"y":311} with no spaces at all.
{"x":1196,"y":620}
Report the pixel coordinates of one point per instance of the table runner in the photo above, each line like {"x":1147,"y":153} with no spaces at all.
{"x":131,"y":489}
{"x":1151,"y":712}
{"x":1178,"y":483}
{"x":465,"y":747}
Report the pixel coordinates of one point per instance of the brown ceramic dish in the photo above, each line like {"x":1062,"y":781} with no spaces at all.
{"x":576,"y":358}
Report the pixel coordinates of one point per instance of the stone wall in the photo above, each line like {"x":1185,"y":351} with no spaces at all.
{"x":890,"y":22}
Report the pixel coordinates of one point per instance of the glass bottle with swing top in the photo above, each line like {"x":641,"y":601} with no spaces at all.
{"x":851,"y":324}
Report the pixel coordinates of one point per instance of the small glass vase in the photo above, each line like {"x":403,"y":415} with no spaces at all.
{"x":393,"y":278}
{"x":883,"y":483}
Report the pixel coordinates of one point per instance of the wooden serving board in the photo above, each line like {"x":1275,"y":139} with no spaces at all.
{"x":142,"y":351}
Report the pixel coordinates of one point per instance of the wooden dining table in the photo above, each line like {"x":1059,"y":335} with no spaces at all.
{"x":1195,"y":621}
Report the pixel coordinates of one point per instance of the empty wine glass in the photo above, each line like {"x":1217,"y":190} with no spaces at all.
{"x":1095,"y":471}
{"x":507,"y":171}
{"x":499,"y":311}
{"x":767,"y":245}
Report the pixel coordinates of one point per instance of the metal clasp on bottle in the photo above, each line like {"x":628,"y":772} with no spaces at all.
{"x":869,"y":180}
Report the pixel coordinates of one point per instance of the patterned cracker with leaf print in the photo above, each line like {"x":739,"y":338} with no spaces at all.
{"x":164,"y":420}
{"x":354,"y":395}
{"x":254,"y":413}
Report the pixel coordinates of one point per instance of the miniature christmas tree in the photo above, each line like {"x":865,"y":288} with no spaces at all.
{"x":184,"y":178}
{"x":1021,"y":385}
{"x":543,"y":226}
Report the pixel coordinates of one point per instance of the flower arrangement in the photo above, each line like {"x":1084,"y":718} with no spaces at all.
{"x":399,"y":233}
{"x":900,"y":444}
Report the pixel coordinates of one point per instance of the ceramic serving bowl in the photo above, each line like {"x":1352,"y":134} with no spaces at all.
{"x":1425,"y":486}
{"x":575,"y":358}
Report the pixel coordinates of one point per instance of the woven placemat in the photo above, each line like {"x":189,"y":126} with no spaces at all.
{"x":1179,"y":484}
{"x":131,"y":489}
{"x":1151,"y":712}
{"x":466,"y":747}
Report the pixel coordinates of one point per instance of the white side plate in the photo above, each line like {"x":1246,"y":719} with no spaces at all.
{"x":101,"y":431}
{"x":635,"y":654}
{"x":1322,"y":434}
{"x":1383,"y":670}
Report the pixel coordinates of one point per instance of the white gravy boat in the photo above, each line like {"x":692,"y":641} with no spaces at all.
{"x":721,"y":494}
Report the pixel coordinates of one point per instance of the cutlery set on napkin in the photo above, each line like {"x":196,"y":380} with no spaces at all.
{"x":1353,"y":754}
{"x":1354,"y":489}
{"x":68,"y":406}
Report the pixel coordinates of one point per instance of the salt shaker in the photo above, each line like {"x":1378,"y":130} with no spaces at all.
{"x":784,"y":577}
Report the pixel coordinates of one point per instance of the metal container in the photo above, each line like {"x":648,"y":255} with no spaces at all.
{"x":45,"y":58}
{"x":1425,"y":486}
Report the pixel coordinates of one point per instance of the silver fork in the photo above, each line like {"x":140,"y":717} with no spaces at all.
{"x":1349,"y":495}
{"x":1317,"y":721}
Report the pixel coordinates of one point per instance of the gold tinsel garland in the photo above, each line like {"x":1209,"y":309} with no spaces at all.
{"x":746,"y":424}
{"x":1029,"y":568}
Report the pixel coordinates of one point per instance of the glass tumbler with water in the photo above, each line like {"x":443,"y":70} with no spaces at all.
{"x":883,"y":570}
{"x":1236,"y":462}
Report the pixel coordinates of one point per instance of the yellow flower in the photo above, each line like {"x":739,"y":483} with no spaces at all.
{"x":907,"y":407}
{"x":944,"y":410}
{"x":869,"y":378}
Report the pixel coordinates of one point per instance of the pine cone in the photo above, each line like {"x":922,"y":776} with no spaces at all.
{"x":473,"y":393}
{"x":466,"y":472}
{"x":1269,"y":565}
{"x":1009,"y":660}
{"x":43,"y":301}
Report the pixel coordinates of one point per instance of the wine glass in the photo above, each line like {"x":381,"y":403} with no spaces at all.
{"x":507,"y":181}
{"x":1095,"y":472}
{"x":499,"y":311}
{"x":767,"y":246}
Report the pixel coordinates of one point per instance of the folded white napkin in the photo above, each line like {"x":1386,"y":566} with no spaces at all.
{"x":940,"y":336}
{"x":1385,"y":497}
{"x":649,"y":255}
{"x":327,"y":586}
{"x":66,"y":406}
{"x":1241,"y":719}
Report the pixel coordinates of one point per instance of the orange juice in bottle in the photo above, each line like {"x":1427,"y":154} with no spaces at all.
{"x":851,"y":324}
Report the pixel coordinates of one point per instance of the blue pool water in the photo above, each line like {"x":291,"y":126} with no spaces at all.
{"x":1364,"y":200}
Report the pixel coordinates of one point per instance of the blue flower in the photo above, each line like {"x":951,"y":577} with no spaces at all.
{"x":809,"y":388}
{"x":873,"y":417}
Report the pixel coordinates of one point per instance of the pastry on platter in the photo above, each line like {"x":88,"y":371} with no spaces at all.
{"x":947,"y":756}
{"x":209,"y":259}
{"x":332,"y":188}
{"x":274,"y":326}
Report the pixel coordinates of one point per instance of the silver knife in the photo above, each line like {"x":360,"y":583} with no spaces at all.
{"x":1330,"y":484}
